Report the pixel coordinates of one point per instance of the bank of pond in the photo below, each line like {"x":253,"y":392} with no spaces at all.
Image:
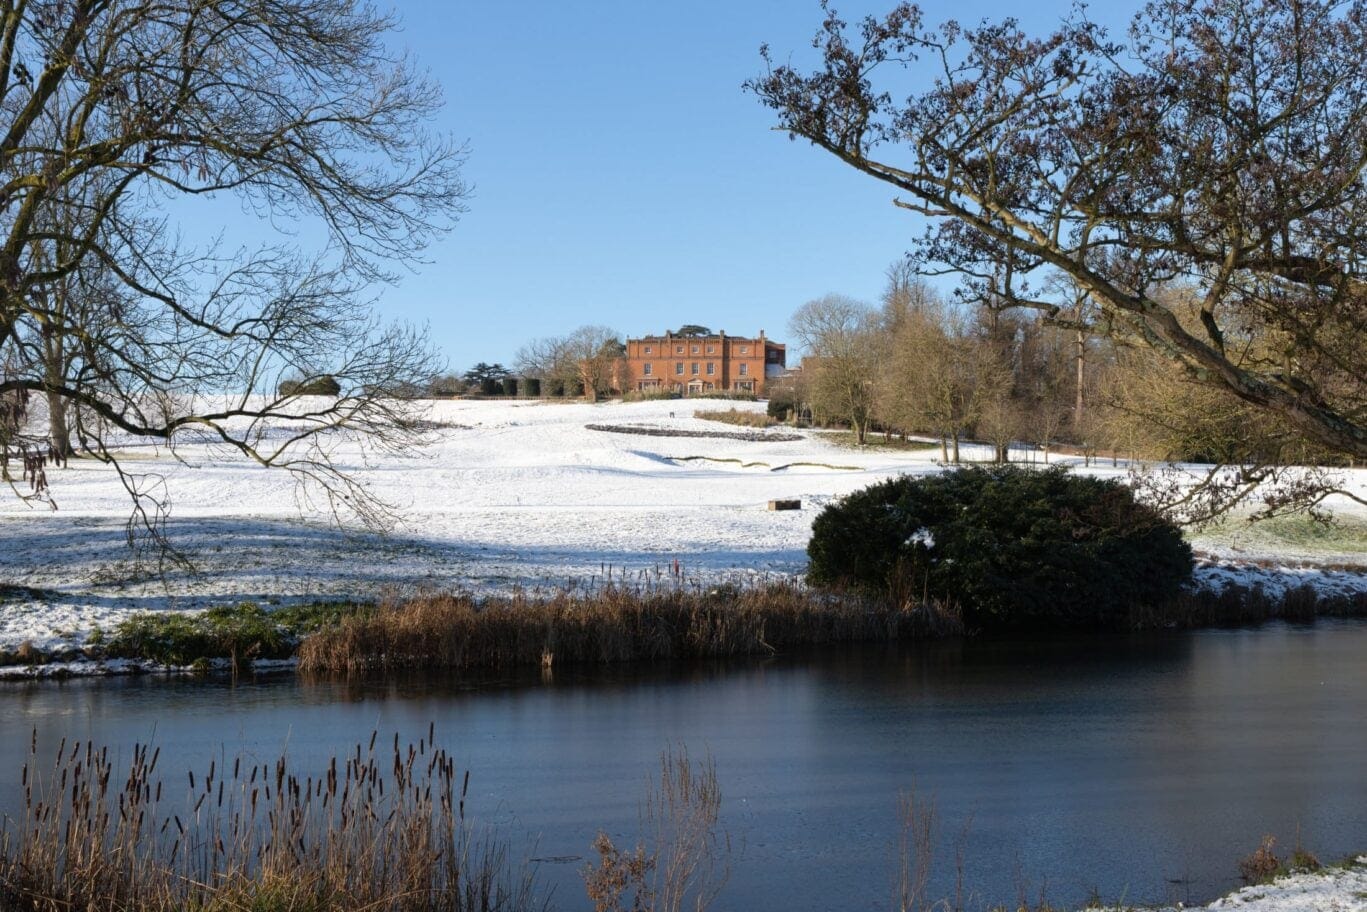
{"x":460,"y":631}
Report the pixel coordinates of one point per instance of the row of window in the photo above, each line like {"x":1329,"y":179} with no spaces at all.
{"x":711,"y":350}
{"x":694,"y":369}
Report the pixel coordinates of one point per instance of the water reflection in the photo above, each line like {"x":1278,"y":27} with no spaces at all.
{"x":1140,"y":767}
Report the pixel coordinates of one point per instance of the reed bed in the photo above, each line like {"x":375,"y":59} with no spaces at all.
{"x":378,"y":830}
{"x":612,"y":623}
{"x":1243,"y":605}
{"x":737,"y":416}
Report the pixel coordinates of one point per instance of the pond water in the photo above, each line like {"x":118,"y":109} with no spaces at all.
{"x":1137,"y":768}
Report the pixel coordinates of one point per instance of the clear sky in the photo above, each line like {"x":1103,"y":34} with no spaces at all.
{"x":622,"y":177}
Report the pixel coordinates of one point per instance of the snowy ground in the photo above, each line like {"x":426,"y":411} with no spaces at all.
{"x":1338,"y":890}
{"x":508,"y":493}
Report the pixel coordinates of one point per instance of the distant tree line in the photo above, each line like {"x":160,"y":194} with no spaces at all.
{"x":589,"y":362}
{"x":961,"y":367}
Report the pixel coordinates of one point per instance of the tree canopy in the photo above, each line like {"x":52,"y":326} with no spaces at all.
{"x":1219,"y":146}
{"x":116,"y":115}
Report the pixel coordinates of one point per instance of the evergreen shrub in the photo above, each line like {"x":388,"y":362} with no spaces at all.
{"x":1009,"y":547}
{"x":510,"y":386}
{"x":531,"y":386}
{"x":319,"y":386}
{"x":781,"y":402}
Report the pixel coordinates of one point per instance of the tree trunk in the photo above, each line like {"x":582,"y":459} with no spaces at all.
{"x":1081,"y":358}
{"x":956,"y":447}
{"x":59,"y":431}
{"x":54,"y":364}
{"x":944,"y":448}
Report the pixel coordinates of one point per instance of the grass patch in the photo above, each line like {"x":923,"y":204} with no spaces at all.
{"x":612,"y":624}
{"x":237,"y":633}
{"x":738,"y":417}
{"x":1345,"y":534}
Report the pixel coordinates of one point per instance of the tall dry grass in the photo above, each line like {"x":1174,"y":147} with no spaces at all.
{"x":682,"y":861}
{"x":614,"y":623}
{"x":739,"y":417}
{"x":380,"y":831}
{"x":1239,"y":605}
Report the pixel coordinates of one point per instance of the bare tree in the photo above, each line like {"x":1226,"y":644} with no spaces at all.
{"x":906,"y":292}
{"x":1221,"y":145}
{"x":110,"y":110}
{"x":591,"y":357}
{"x":845,"y":349}
{"x":940,"y":375}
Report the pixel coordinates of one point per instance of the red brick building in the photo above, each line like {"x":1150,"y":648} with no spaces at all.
{"x":700,"y":364}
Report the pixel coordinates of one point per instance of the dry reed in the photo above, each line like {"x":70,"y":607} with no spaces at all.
{"x":613,"y":623}
{"x":380,"y":831}
{"x":683,"y":861}
{"x":739,"y":417}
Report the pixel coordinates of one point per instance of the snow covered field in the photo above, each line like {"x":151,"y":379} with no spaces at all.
{"x":508,"y":493}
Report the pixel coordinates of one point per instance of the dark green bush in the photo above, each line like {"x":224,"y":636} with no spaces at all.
{"x":781,"y":402}
{"x":531,"y":386}
{"x":317,"y":386}
{"x":1009,"y":547}
{"x":510,"y":386}
{"x":490,"y":387}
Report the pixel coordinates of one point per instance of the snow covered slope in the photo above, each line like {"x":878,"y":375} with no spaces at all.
{"x":508,"y":493}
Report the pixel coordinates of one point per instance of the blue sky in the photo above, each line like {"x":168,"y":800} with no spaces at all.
{"x":623,"y":178}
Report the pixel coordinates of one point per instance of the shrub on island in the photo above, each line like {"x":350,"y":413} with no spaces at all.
{"x":1009,"y":547}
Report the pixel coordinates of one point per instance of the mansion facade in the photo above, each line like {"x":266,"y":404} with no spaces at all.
{"x":692,"y":365}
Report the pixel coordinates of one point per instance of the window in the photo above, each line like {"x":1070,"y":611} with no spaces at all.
{"x":648,"y":349}
{"x":650,"y":369}
{"x":711,"y":368}
{"x":678,"y":367}
{"x":745,"y":349}
{"x":694,"y":371}
{"x":695,"y":349}
{"x":711,"y":349}
{"x":678,"y":349}
{"x":744,"y":369}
